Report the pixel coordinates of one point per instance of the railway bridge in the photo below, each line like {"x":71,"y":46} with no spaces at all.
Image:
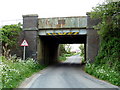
{"x":45,"y":34}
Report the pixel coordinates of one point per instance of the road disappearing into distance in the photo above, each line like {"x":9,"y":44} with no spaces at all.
{"x":68,"y":74}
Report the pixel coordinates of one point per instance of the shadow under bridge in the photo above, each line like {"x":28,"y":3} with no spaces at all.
{"x":48,"y":50}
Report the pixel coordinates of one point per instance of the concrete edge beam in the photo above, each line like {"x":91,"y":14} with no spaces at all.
{"x":44,"y":32}
{"x":34,"y":28}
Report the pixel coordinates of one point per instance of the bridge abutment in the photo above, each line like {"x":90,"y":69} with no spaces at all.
{"x":47,"y":51}
{"x":93,"y":41}
{"x":92,"y":45}
{"x":30,"y":33}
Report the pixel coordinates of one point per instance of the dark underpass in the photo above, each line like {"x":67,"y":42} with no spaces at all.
{"x":66,"y":39}
{"x":49,"y":50}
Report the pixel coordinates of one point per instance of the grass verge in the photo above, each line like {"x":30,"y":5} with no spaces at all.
{"x":15,"y":71}
{"x":104,"y":72}
{"x":64,"y":56}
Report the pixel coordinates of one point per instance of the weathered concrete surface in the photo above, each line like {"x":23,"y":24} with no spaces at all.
{"x":62,"y":22}
{"x":92,"y":45}
{"x":47,"y":51}
{"x":31,"y":37}
{"x":30,"y":24}
{"x":62,"y":32}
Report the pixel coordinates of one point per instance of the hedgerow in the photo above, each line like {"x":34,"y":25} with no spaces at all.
{"x":107,"y":62}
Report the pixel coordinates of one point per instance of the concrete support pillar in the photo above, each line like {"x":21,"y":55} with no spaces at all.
{"x":47,"y":52}
{"x":92,"y":39}
{"x":40,"y":56}
{"x":30,"y":28}
{"x":85,"y":45}
{"x":92,"y":45}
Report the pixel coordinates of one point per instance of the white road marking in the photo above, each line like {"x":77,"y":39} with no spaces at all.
{"x":31,"y":82}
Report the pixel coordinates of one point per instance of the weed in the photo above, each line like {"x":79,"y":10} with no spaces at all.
{"x":104,"y":72}
{"x":15,"y":71}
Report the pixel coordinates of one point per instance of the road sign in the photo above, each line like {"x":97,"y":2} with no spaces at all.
{"x":24,"y":43}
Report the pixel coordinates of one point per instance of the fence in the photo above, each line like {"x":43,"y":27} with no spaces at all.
{"x":9,"y":22}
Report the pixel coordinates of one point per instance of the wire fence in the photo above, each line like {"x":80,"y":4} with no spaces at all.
{"x":10,"y":22}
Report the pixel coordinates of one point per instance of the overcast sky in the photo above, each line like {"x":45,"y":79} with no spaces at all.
{"x":14,"y":9}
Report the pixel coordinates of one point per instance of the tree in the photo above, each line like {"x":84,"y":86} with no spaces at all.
{"x":108,"y":58}
{"x":9,"y":36}
{"x":62,"y":49}
{"x":109,"y":31}
{"x":109,"y":13}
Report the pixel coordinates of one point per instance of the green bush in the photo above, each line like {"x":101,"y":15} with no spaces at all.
{"x":14,"y":72}
{"x":104,"y":72}
{"x":68,"y":55}
{"x":0,"y":72}
{"x":63,"y":56}
{"x":107,"y":62}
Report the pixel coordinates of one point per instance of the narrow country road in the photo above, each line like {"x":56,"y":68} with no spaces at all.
{"x":68,"y":75}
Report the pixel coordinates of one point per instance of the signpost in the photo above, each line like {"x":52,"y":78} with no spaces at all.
{"x":24,"y":43}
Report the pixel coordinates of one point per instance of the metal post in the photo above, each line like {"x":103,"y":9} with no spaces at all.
{"x":24,"y":53}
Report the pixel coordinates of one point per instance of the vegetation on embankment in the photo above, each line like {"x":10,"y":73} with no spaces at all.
{"x":82,"y":53}
{"x":10,"y":35}
{"x":64,"y":56}
{"x":107,"y":62}
{"x":14,"y":71}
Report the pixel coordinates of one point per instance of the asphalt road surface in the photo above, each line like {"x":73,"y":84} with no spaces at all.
{"x":68,"y":75}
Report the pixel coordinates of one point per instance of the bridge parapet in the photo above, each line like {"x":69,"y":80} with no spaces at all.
{"x":62,"y":22}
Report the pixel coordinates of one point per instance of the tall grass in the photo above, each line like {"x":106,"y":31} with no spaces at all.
{"x":15,"y":71}
{"x":63,"y":57}
{"x":104,"y":72}
{"x":0,"y":72}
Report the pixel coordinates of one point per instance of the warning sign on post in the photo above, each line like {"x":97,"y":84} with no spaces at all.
{"x":24,"y":43}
